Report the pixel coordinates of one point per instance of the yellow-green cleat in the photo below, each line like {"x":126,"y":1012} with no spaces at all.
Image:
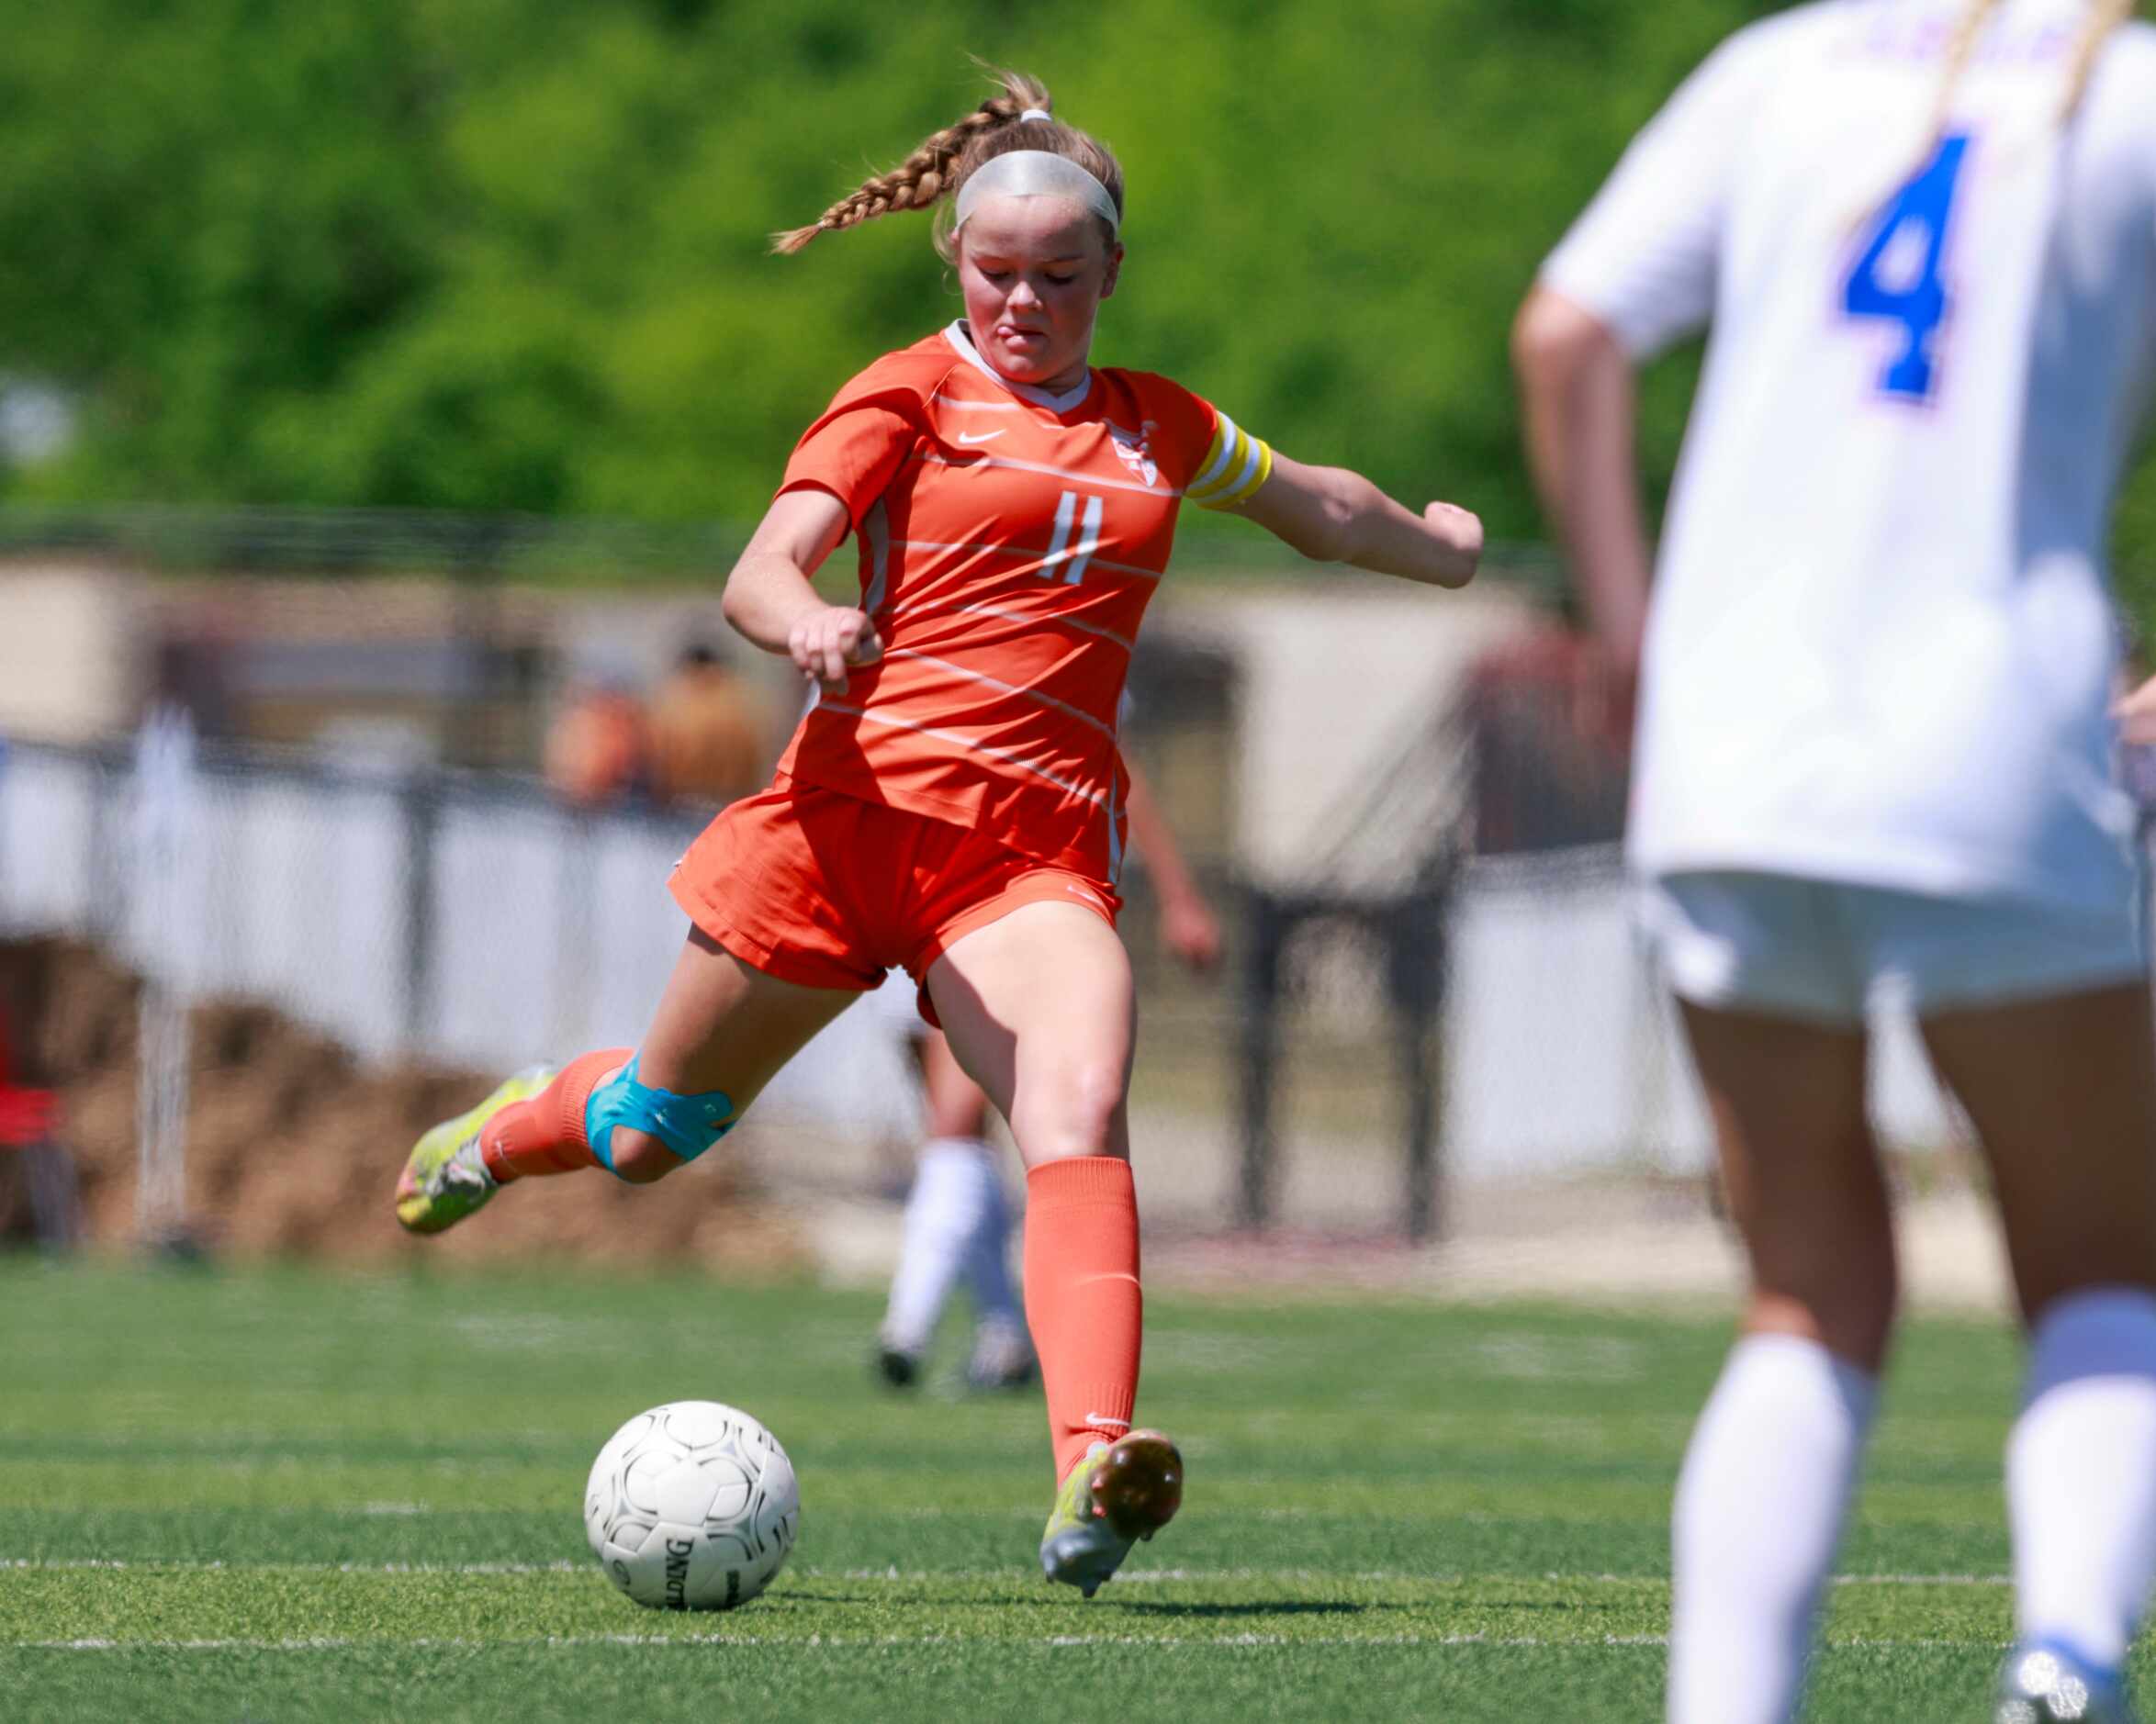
{"x":445,"y":1181}
{"x":1119,"y":1493}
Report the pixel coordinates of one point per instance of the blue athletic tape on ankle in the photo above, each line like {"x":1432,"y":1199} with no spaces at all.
{"x":688,"y":1125}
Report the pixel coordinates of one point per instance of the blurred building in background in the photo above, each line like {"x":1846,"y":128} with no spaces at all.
{"x":512,"y":334}
{"x":430,"y":810}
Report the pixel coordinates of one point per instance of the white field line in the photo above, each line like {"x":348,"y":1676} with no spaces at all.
{"x":1837,"y":1580}
{"x":1141,"y":1577}
{"x":325,"y":1643}
{"x":191,"y":1566}
{"x":338,"y":1644}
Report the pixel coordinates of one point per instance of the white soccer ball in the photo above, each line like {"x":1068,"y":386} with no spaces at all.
{"x":692,"y":1505}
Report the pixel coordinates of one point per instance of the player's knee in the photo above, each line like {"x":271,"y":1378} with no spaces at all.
{"x":1083,"y":1109}
{"x":640,"y":1159}
{"x":641,"y":1133}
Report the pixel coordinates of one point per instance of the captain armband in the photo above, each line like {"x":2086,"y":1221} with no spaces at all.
{"x":1236,"y":464}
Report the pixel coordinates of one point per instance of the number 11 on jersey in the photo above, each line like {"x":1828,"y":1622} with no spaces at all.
{"x":1065,"y":561}
{"x":1897,"y":277}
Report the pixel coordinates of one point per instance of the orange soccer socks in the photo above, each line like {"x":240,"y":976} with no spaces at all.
{"x":546,"y":1133}
{"x":1082,"y":1298}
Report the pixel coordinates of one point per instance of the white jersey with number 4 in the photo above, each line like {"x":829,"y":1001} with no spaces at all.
{"x":1880,"y":648}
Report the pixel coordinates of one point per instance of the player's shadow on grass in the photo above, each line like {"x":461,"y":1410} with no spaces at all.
{"x":1294,"y":1608}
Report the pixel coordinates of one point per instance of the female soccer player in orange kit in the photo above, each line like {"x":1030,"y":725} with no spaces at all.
{"x":953,"y":805}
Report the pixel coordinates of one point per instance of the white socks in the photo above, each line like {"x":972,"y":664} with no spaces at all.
{"x":2081,"y":1474}
{"x":1773,"y":1464}
{"x":1766,"y":1484}
{"x":957,"y":1205}
{"x":988,"y":1257}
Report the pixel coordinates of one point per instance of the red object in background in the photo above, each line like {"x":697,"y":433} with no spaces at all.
{"x":1551,"y":736}
{"x":25,"y":1115}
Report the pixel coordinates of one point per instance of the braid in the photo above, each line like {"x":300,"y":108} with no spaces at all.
{"x":1960,"y":52}
{"x":2105,"y":17}
{"x":921,"y":181}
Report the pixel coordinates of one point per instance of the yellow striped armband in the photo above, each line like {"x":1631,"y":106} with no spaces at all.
{"x":1236,"y":463}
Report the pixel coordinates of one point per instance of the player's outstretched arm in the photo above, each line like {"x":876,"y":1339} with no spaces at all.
{"x":1336,"y":516}
{"x":1578,"y":393}
{"x":771,"y":602}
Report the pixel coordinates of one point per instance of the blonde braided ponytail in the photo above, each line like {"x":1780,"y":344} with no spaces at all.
{"x":1960,"y":52}
{"x":2104,"y":18}
{"x":932,"y":173}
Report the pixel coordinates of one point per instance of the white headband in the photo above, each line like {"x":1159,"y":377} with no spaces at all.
{"x":1035,"y":174}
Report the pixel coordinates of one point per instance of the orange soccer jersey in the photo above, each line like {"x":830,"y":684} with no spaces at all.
{"x":1010,"y":541}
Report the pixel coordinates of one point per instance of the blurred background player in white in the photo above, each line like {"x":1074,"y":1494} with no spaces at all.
{"x":1874,"y":753}
{"x":957,"y":1219}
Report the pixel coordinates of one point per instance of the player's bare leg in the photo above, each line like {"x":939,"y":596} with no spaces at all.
{"x":720,"y":1026}
{"x":1056,"y":1059}
{"x":1772,"y":1463}
{"x":720,"y":1033}
{"x":1801,"y":1177}
{"x":2062,"y":1095}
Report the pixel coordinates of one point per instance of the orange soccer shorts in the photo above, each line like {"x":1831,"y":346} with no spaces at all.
{"x":827,"y":890}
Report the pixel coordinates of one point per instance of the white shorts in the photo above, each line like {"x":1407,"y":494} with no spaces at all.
{"x":1826,"y":951}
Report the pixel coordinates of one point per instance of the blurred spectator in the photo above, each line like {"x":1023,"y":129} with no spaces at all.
{"x":709,"y":734}
{"x":599,"y":748}
{"x":39,"y":1199}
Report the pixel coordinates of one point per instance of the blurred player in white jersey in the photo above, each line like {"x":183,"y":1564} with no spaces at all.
{"x":957,"y":1220}
{"x":1874,"y":756}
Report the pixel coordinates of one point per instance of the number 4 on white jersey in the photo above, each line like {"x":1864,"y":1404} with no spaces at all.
{"x":1891,"y":282}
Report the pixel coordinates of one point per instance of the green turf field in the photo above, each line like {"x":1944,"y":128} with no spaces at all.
{"x":290,"y":1496}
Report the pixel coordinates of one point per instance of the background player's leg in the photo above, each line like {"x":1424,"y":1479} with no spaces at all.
{"x":956,"y":1222}
{"x":2062,"y":1094}
{"x":1040,"y":1010}
{"x":957,"y":1116}
{"x":1773,"y":1463}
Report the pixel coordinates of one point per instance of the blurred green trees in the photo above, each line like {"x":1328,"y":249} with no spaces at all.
{"x":509,"y":254}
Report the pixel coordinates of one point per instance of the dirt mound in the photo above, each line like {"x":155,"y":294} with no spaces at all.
{"x":293,"y":1147}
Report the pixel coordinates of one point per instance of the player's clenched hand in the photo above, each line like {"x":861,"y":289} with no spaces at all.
{"x":1191,"y":931}
{"x":1459,"y":531}
{"x":825,"y":642}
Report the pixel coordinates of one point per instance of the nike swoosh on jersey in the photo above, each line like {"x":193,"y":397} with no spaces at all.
{"x":982,"y":437}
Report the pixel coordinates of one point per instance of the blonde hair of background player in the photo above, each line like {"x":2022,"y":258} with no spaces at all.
{"x":2104,"y":18}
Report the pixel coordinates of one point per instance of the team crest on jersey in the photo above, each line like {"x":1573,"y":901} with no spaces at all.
{"x":1131,"y":448}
